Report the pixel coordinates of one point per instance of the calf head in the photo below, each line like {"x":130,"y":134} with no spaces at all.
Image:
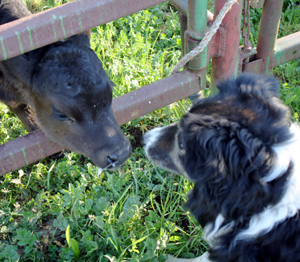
{"x":71,"y":96}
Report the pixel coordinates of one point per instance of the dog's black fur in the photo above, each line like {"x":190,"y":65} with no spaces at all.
{"x":226,"y":145}
{"x":63,"y":89}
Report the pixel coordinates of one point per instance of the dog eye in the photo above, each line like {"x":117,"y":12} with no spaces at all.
{"x":60,"y":116}
{"x":181,"y":145}
{"x":180,"y":141}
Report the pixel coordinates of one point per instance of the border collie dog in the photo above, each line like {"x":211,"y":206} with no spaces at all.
{"x":243,"y":155}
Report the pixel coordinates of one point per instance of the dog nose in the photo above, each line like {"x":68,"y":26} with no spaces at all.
{"x":142,"y":141}
{"x":148,"y":137}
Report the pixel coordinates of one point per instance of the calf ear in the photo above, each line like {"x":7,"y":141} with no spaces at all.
{"x":81,"y":40}
{"x":21,"y":67}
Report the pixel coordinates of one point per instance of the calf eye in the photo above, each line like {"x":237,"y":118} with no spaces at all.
{"x":60,"y":116}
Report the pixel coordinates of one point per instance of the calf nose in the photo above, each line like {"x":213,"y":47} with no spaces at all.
{"x":118,"y":158}
{"x":112,"y":161}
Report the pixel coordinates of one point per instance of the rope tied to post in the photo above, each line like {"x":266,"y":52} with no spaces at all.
{"x":207,"y":37}
{"x":257,"y":3}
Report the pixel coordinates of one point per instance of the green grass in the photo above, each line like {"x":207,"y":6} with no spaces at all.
{"x":136,"y":213}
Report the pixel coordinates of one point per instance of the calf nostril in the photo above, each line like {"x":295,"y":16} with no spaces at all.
{"x":112,"y":160}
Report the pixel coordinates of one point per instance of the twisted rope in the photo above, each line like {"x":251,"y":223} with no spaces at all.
{"x":206,"y":39}
{"x":257,"y":3}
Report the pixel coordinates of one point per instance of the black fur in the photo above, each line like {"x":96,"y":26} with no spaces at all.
{"x":282,"y":244}
{"x":63,"y":89}
{"x":228,"y":139}
{"x":229,"y":152}
{"x":228,"y":155}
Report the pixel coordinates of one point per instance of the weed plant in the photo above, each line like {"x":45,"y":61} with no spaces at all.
{"x":61,"y":211}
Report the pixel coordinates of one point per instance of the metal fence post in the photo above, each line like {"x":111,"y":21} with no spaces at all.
{"x":227,"y":65}
{"x":196,"y":28}
{"x":183,"y":28}
{"x":268,"y":32}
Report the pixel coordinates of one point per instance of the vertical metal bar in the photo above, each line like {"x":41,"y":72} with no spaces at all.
{"x":183,"y":28}
{"x":196,"y":27}
{"x":181,"y":5}
{"x":197,"y":15}
{"x":268,"y":31}
{"x":227,"y":65}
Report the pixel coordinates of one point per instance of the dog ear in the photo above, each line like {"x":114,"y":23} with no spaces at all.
{"x":255,"y":99}
{"x":227,"y":165}
{"x":216,"y":146}
{"x":258,"y":86}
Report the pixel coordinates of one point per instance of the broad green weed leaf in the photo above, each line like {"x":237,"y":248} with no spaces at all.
{"x":101,"y":204}
{"x":28,"y":249}
{"x":89,"y":244}
{"x":67,"y":198}
{"x":10,"y":254}
{"x":30,"y":218}
{"x":60,"y":222}
{"x":151,"y":248}
{"x":75,"y":247}
{"x":99,"y":222}
{"x":131,"y":207}
{"x":25,"y":237}
{"x":86,"y":208}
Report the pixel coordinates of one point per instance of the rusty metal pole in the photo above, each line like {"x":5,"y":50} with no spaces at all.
{"x":182,"y":7}
{"x":268,"y":32}
{"x":32,"y":32}
{"x":227,"y":65}
{"x":183,"y":28}
{"x":286,"y":49}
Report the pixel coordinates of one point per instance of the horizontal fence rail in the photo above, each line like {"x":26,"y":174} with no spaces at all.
{"x":181,"y":5}
{"x":58,"y":23}
{"x":286,"y":49}
{"x":34,"y":146}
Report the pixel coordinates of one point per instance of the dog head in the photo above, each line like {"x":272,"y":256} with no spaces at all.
{"x":71,"y":96}
{"x":224,"y":145}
